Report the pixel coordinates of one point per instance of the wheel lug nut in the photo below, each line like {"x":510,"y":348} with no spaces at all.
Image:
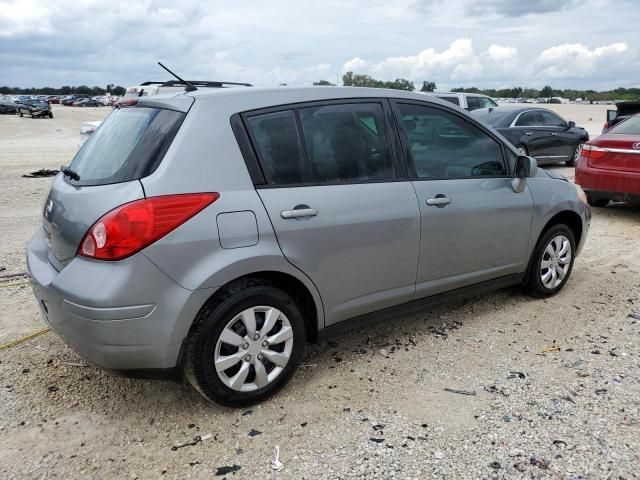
{"x":260,"y":357}
{"x":245,"y":346}
{"x":256,"y":336}
{"x":265,"y":344}
{"x":247,"y":358}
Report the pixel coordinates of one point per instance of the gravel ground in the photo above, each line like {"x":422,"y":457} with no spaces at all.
{"x":546,"y":388}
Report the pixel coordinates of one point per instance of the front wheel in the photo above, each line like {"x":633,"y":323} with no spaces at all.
{"x":20,"y":113}
{"x":245,"y":344}
{"x":551,"y":262}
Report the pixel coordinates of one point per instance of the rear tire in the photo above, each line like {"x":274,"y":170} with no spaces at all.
{"x":20,"y":113}
{"x":551,"y":263}
{"x":245,"y":373}
{"x":574,"y":156}
{"x":50,"y":114}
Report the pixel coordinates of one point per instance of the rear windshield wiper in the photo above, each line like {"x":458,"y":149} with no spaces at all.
{"x":67,"y":172}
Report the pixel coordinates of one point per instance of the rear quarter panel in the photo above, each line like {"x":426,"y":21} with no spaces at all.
{"x":205,"y":157}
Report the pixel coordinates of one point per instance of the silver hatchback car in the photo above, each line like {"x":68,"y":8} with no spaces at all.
{"x":215,"y":233}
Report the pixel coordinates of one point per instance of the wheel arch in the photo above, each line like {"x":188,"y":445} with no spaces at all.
{"x":306,"y":299}
{"x":569,"y":218}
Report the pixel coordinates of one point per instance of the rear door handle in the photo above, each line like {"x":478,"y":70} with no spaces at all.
{"x":553,"y":134}
{"x":438,"y":201}
{"x":299,"y":213}
{"x":528,"y":133}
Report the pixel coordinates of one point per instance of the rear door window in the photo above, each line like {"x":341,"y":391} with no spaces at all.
{"x":338,"y":143}
{"x":529,"y":119}
{"x":347,"y":142}
{"x":129,"y":145}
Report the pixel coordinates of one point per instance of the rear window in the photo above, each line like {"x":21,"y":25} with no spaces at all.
{"x":129,"y":145}
{"x":631,"y":126}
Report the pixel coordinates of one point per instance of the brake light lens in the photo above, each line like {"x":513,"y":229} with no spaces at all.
{"x":605,"y":127}
{"x":133,"y":226}
{"x":593,"y":151}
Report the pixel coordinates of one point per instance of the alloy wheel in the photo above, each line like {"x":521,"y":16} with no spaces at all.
{"x":556,"y":261}
{"x":577,"y":152}
{"x":253,"y":348}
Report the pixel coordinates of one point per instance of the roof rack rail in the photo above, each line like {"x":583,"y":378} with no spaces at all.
{"x":202,"y":83}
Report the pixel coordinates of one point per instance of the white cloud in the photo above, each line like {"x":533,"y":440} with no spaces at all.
{"x":502,"y":54}
{"x":66,"y":42}
{"x":576,"y":60}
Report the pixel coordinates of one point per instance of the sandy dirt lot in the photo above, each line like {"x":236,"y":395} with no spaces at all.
{"x":370,"y":404}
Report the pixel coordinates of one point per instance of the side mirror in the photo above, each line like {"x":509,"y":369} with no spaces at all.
{"x":611,"y":115}
{"x":526,"y":167}
{"x":571,"y":124}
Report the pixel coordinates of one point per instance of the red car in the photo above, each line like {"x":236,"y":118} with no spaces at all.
{"x":609,"y":166}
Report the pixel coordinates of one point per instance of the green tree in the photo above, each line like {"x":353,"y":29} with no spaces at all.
{"x":350,"y":79}
{"x":118,"y":91}
{"x":324,"y":83}
{"x":428,"y":87}
{"x":546,"y":92}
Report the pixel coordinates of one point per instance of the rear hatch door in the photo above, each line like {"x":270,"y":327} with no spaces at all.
{"x":126,"y":147}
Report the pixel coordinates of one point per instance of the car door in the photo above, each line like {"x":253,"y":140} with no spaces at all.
{"x":474,"y":226}
{"x":341,"y":205}
{"x":565,"y":138}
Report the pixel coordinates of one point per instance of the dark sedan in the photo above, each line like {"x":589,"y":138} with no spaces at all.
{"x":537,"y":132}
{"x":8,"y":106}
{"x":35,"y":108}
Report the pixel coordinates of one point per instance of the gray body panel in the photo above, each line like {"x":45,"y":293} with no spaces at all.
{"x":482,"y":234}
{"x":371,"y":245}
{"x":361,"y":250}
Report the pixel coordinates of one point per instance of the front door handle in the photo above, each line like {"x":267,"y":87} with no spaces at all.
{"x":528,"y":133}
{"x":553,"y":134}
{"x":439,"y":201}
{"x":299,"y":213}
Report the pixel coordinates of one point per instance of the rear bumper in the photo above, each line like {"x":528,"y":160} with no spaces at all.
{"x":125,"y":315}
{"x":611,"y":184}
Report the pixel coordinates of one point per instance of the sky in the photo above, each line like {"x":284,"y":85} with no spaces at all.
{"x":578,"y":44}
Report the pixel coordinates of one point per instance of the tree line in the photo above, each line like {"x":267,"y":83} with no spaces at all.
{"x":66,"y":90}
{"x":351,"y":79}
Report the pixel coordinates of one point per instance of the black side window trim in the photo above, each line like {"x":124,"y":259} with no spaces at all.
{"x":247,"y":142}
{"x":406,"y":147}
{"x":246,"y":149}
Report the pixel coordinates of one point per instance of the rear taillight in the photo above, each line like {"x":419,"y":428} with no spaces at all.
{"x":136,"y":225}
{"x":593,"y":151}
{"x":605,"y":127}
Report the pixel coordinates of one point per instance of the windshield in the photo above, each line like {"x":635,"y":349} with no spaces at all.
{"x":129,"y":145}
{"x":631,"y":126}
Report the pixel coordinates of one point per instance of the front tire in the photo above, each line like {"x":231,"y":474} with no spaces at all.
{"x":245,"y":344}
{"x":551,"y":263}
